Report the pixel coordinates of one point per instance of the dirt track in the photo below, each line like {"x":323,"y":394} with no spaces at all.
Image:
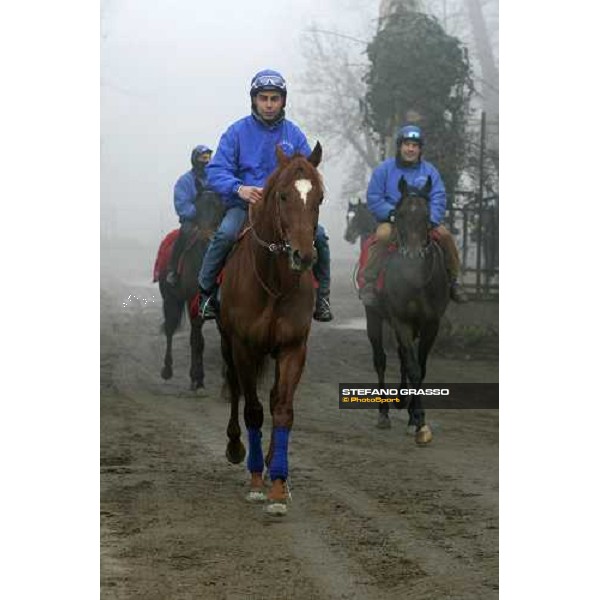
{"x":372,"y":515}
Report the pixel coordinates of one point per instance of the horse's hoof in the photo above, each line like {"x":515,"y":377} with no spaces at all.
{"x":199,"y":390}
{"x":423,"y":436}
{"x":256,"y":496}
{"x":235,"y":453}
{"x":276,"y":508}
{"x":166,"y":372}
{"x":383,"y":422}
{"x":411,"y":430}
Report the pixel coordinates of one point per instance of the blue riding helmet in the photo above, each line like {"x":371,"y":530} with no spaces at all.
{"x":410,"y":133}
{"x":197,"y":151}
{"x":268,"y":80}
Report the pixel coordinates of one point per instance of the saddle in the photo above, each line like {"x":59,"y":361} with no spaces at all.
{"x":161,"y":264}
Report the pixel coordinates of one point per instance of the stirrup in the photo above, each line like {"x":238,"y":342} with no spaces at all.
{"x":458,"y":294}
{"x":368,"y":295}
{"x":206,"y":308}
{"x":172,"y":278}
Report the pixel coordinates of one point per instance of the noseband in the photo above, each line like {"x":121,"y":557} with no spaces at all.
{"x":274,"y":247}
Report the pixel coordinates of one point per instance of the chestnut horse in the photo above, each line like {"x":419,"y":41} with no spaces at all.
{"x":267,"y":300}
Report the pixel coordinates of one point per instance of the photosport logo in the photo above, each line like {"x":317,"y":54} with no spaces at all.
{"x":431,"y":395}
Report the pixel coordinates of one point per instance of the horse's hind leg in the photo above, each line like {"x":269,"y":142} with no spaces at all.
{"x":235,"y":451}
{"x":375,"y":333}
{"x":197,"y":352}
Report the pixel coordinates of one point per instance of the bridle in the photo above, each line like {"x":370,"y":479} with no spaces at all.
{"x":420,"y":253}
{"x":279,"y":247}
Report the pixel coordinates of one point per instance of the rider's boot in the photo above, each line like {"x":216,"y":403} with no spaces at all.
{"x":322,"y":308}
{"x":457,"y":293}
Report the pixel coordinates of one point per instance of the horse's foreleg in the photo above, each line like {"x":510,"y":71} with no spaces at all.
{"x":375,"y":333}
{"x":172,"y":312}
{"x":407,"y":349}
{"x":197,"y":352}
{"x":235,"y":451}
{"x":290,"y":363}
{"x":272,"y":403}
{"x":247,"y":368}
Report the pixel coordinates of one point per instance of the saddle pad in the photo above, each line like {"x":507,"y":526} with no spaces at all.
{"x":161,"y":264}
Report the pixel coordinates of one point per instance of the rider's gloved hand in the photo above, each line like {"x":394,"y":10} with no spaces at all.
{"x":250,"y":193}
{"x":434,"y":233}
{"x":391,"y":218}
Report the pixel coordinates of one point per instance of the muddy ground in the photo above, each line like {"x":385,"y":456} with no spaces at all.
{"x":372,"y":516}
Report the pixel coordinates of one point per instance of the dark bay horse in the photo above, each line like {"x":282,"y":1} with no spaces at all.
{"x":267,"y":300}
{"x":209,"y":211}
{"x":359,"y":222}
{"x":413,"y":300}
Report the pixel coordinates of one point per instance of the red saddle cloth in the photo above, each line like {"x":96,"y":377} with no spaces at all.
{"x":362,"y":263}
{"x":161,"y":264}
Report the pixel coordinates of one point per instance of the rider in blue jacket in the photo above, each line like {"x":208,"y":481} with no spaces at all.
{"x":242,"y":163}
{"x":382,"y":197}
{"x":187,"y":189}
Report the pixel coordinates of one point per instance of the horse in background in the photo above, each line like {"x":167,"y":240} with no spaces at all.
{"x":209,"y":212}
{"x":413,"y":300}
{"x":359,"y":222}
{"x":267,"y":299}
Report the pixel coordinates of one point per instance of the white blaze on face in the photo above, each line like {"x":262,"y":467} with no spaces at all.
{"x":303,"y":186}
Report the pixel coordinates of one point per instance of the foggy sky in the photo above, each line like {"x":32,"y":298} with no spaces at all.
{"x":175,"y":74}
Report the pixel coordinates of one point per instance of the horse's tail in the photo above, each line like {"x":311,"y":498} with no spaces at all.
{"x":173,"y":309}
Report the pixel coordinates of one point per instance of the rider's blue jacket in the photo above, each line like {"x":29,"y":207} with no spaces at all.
{"x":383,"y":193}
{"x":185,"y":193}
{"x":246,"y":156}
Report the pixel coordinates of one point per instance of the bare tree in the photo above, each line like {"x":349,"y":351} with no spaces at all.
{"x":333,"y":77}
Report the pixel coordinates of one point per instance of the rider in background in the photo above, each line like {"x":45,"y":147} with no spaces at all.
{"x":383,"y":196}
{"x":244,"y":160}
{"x":187,"y":190}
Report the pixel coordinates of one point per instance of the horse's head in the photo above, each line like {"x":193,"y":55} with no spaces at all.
{"x":359,"y":221}
{"x":412,"y":215}
{"x":292,"y":198}
{"x":209,"y":211}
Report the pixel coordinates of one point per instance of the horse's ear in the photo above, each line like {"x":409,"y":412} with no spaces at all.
{"x":427,"y":187}
{"x":282,"y":157}
{"x":315,"y":156}
{"x":402,"y":186}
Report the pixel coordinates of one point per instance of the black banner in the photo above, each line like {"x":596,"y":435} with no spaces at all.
{"x":432,"y":395}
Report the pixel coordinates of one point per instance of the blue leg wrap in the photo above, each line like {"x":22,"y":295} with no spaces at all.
{"x":278,"y":469}
{"x":255,"y":462}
